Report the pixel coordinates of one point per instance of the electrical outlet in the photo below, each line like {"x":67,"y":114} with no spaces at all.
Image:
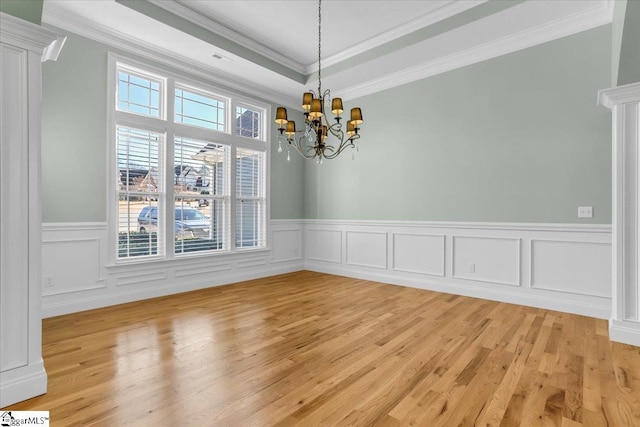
{"x":48,"y":281}
{"x":472,"y":268}
{"x":585,"y":212}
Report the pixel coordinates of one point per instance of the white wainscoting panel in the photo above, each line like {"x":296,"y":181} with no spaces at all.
{"x":140,"y":278}
{"x":486,"y":259}
{"x":210,"y":268}
{"x":529,"y":264}
{"x":73,"y":258}
{"x":559,"y":267}
{"x":571,"y":266}
{"x":77,"y":277}
{"x":85,"y":255}
{"x":251,"y":262}
{"x":419,"y":253}
{"x":286,"y":245}
{"x":367,"y":249}
{"x":324,"y":245}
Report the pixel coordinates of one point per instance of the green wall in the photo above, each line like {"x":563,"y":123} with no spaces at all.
{"x":629,"y":68}
{"x":518,"y":138}
{"x":617,"y":27}
{"x":29,"y":10}
{"x":74,"y":140}
{"x":287,"y":177}
{"x":74,"y":133}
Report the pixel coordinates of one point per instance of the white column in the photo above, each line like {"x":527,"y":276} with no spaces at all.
{"x":23,"y":46}
{"x":624,"y":102}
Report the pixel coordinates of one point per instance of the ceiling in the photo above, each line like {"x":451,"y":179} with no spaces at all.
{"x":270,"y":48}
{"x":291,"y":27}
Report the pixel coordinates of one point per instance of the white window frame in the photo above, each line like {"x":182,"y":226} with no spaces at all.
{"x":167,"y":126}
{"x":179,"y":85}
{"x":151,"y":76}
{"x":265,"y":187}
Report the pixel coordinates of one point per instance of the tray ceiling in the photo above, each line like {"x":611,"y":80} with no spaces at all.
{"x":270,"y":47}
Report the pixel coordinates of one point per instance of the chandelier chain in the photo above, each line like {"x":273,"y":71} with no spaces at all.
{"x":319,"y":47}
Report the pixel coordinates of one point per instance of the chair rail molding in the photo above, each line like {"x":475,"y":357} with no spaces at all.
{"x":624,"y":103}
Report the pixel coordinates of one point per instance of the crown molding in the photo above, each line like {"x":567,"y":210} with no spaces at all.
{"x":105,"y":35}
{"x":588,"y":19}
{"x":31,"y":37}
{"x":215,"y":27}
{"x":438,"y":15}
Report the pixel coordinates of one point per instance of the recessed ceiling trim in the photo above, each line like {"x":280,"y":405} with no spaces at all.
{"x":370,"y":78}
{"x":219,"y":29}
{"x":601,"y":14}
{"x":105,"y":35}
{"x":431,"y":18}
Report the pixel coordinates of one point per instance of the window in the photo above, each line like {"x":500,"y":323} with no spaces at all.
{"x":138,"y":191}
{"x":199,"y":110}
{"x":248,"y":122}
{"x":201,"y":193}
{"x":250,"y":198}
{"x":189,"y":176}
{"x":138,"y":93}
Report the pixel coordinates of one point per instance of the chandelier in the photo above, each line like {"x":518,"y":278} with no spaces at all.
{"x":321,"y":138}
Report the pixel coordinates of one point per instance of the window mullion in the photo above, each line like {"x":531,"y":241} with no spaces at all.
{"x":232,"y":198}
{"x":169,"y":162}
{"x":233,"y":126}
{"x":137,"y":121}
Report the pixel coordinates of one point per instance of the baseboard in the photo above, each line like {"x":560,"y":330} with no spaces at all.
{"x":22,"y":383}
{"x":625,"y":332}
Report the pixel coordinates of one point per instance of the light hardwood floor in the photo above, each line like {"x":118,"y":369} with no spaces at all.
{"x":313,"y":349}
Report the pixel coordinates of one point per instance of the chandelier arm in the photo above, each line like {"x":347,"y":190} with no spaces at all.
{"x":297,"y":144}
{"x":335,"y":154}
{"x":334,"y":127}
{"x":329,"y":147}
{"x":336,"y":130}
{"x":348,"y":143}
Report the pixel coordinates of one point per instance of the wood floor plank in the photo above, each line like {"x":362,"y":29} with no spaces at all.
{"x":311,"y":349}
{"x":497,"y":403}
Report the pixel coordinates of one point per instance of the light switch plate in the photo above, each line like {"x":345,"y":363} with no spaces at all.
{"x":585,"y":212}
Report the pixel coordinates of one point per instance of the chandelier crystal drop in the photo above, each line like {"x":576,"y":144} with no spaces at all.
{"x":321,"y":138}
